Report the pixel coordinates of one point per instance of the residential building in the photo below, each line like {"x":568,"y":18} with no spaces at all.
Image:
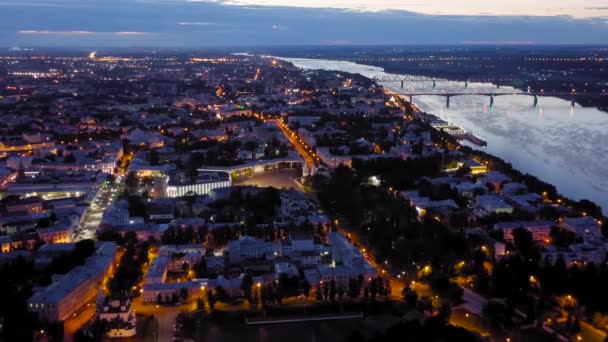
{"x":540,"y":230}
{"x":248,"y":247}
{"x":582,"y":225}
{"x":70,"y":292}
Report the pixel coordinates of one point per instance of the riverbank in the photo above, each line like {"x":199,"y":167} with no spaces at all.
{"x":533,"y":183}
{"x":590,"y":101}
{"x":560,"y":142}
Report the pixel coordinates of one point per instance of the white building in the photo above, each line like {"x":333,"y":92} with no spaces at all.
{"x":582,"y":225}
{"x":69,"y":292}
{"x":286,"y":268}
{"x":540,"y":230}
{"x":196,"y":189}
{"x":348,"y":263}
{"x":248,"y":247}
{"x":119,"y":314}
{"x":302,"y":249}
{"x":493,"y":204}
{"x":157,"y":272}
{"x":62,"y":232}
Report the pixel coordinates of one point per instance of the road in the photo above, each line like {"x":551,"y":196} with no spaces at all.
{"x":312,"y":159}
{"x":78,"y":320}
{"x":471,"y":322}
{"x":590,"y":333}
{"x":92,"y":217}
{"x":473,"y":302}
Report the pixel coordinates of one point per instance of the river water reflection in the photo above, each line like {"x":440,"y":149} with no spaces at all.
{"x":563,"y":145}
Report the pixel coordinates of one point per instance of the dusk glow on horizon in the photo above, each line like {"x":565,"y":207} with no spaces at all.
{"x":194,"y":23}
{"x":573,"y":8}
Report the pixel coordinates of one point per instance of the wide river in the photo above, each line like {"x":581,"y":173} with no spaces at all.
{"x":563,"y":145}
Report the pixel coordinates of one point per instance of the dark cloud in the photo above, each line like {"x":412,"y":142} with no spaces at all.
{"x":197,"y":24}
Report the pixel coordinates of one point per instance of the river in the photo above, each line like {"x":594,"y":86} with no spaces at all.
{"x":559,"y":143}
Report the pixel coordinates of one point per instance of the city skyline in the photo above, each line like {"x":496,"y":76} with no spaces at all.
{"x":200,"y":23}
{"x":303,"y":170}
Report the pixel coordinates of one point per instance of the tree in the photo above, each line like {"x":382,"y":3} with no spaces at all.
{"x":130,"y":239}
{"x":373,"y":288}
{"x":332,"y":290}
{"x":410,"y":296}
{"x":221,"y":293}
{"x":305,"y":288}
{"x":381,"y":287}
{"x":496,"y":313}
{"x":482,"y":281}
{"x":425,"y":304}
{"x":43,"y":223}
{"x":531,"y":313}
{"x":246,"y":285}
{"x":562,"y":237}
{"x":444,"y":313}
{"x":110,"y":235}
{"x":211,"y":299}
{"x":131,"y":180}
{"x":576,"y":326}
{"x":251,"y":146}
{"x":183,"y":294}
{"x":153,"y":158}
{"x":353,"y":288}
{"x":70,"y":158}
{"x":524,"y":242}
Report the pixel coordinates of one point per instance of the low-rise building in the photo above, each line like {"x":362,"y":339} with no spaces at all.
{"x":540,"y":230}
{"x":582,"y":225}
{"x":69,"y":292}
{"x":248,"y":247}
{"x":202,"y":186}
{"x":118,"y":313}
{"x":493,"y":204}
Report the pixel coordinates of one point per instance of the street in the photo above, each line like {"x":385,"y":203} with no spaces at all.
{"x":93,"y":215}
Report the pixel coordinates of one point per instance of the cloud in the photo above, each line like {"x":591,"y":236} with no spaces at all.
{"x":177,"y":23}
{"x":505,"y":42}
{"x":338,"y":42}
{"x":196,"y":23}
{"x":54,"y":32}
{"x":130,"y":33}
{"x":80,"y":32}
{"x":573,"y":8}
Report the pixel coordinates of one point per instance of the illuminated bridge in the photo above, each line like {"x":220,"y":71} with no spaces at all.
{"x":571,"y":95}
{"x":411,"y":78}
